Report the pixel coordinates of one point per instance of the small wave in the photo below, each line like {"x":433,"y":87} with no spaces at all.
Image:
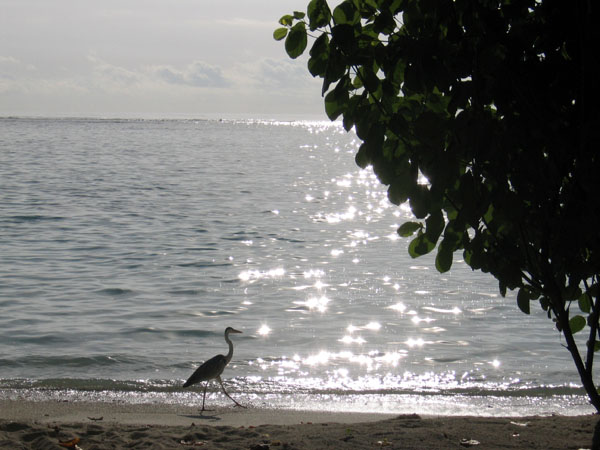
{"x":115,"y":291}
{"x":242,"y":236}
{"x":217,"y":313}
{"x":42,"y":362}
{"x":186,"y":291}
{"x":31,"y":219}
{"x":162,"y":332}
{"x":43,"y":339}
{"x":204,"y":264}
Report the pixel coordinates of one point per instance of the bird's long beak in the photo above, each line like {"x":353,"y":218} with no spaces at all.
{"x":235,"y":331}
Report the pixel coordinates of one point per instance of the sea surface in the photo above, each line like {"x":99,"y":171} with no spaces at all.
{"x":128,"y":246}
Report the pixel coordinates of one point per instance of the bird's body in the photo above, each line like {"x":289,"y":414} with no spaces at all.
{"x":208,"y":370}
{"x":213,"y":368}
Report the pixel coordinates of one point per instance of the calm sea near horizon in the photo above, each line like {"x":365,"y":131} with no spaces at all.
{"x":127,"y":246}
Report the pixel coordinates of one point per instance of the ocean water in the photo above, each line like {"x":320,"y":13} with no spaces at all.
{"x":128,"y":246}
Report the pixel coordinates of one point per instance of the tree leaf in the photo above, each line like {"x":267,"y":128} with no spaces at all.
{"x":280,"y":33}
{"x":296,"y":40}
{"x":434,"y":225}
{"x":420,"y":201}
{"x":335,"y":101}
{"x":399,"y":190}
{"x":319,"y":56}
{"x":577,"y":323}
{"x":420,"y":246}
{"x":336,"y":68}
{"x":523,"y":300}
{"x":319,"y":14}
{"x":407,"y":229}
{"x":287,"y":20}
{"x":362,"y":158}
{"x":585,"y":304}
{"x":345,"y":13}
{"x":443,"y":259}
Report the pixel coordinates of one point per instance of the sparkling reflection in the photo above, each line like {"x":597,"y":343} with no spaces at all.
{"x":315,"y":303}
{"x":255,"y":275}
{"x":352,"y":340}
{"x":313,"y":273}
{"x":417,"y":319}
{"x":456,"y":310}
{"x":400,"y":307}
{"x":412,"y":343}
{"x":349,"y":214}
{"x":264,"y":330}
{"x":319,"y":285}
{"x":351,"y":329}
{"x":375,"y":326}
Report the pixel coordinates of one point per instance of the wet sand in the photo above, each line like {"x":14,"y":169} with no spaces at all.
{"x":41,"y":425}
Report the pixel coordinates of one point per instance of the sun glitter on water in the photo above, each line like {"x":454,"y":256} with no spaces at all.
{"x":264,"y":330}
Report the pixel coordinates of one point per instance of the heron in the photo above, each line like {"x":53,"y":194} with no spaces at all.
{"x":213,"y":368}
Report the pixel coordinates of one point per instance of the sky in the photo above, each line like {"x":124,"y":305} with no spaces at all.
{"x":151,"y":58}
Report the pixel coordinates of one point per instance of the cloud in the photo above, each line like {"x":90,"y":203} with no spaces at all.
{"x":111,"y":76}
{"x":12,"y":73}
{"x":8,"y":60}
{"x":271,"y":75}
{"x":9,"y":65}
{"x":283,"y":73}
{"x":197,"y":74}
{"x":93,"y":85}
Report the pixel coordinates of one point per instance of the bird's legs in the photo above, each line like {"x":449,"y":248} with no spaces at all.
{"x":204,"y":398}
{"x":231,"y":398}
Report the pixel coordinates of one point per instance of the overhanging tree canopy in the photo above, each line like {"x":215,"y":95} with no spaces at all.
{"x":491,"y":100}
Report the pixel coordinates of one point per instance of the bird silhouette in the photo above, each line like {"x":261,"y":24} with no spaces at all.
{"x":213,"y":368}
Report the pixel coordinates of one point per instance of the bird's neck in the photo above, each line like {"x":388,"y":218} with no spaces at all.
{"x":230,"y":353}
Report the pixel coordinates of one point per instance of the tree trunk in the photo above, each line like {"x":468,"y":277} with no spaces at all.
{"x":585,"y":376}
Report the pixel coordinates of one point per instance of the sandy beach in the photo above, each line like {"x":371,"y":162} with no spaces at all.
{"x":52,"y":425}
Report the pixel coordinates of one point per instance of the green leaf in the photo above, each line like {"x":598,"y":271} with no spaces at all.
{"x":362,"y":158}
{"x":577,"y":323}
{"x":399,"y":190}
{"x":335,"y":101}
{"x":296,"y":40}
{"x":420,"y":201}
{"x":287,"y":20}
{"x":319,"y":56}
{"x":420,"y":246}
{"x":443,"y":259}
{"x":319,"y":14}
{"x":434,"y":225}
{"x":299,"y":15}
{"x":502,"y":288}
{"x":336,"y":68}
{"x":346,"y":13}
{"x":523,"y":299}
{"x":369,"y":79}
{"x":280,"y":33}
{"x":585,"y":304}
{"x":407,"y":229}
